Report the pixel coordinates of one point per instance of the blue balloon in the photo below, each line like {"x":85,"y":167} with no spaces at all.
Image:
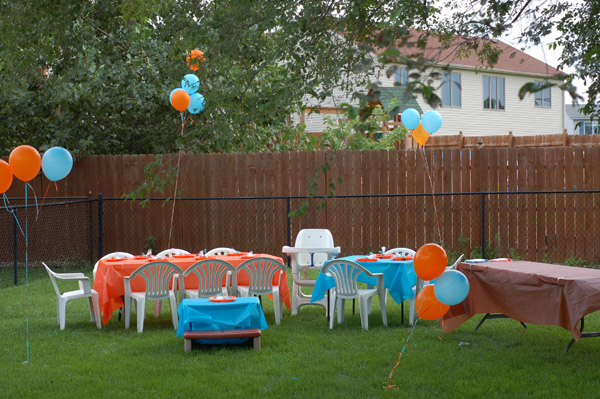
{"x":451,"y":288}
{"x":432,"y":121}
{"x":196,"y":103}
{"x":190,"y":83}
{"x":411,"y":118}
{"x":57,"y":163}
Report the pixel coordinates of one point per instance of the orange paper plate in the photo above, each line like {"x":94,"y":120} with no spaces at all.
{"x":221,"y":298}
{"x":113,"y":260}
{"x":184,"y":256}
{"x":398,"y":258}
{"x":366,"y":260}
{"x":141,"y":257}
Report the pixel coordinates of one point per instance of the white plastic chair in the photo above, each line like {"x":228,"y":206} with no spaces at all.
{"x":221,"y":251}
{"x":157,"y":276}
{"x":345,"y":273}
{"x":312,"y":249}
{"x":84,"y":291}
{"x":167,"y":253}
{"x":210,"y":274}
{"x":261,"y":271}
{"x":402,"y":252}
{"x":113,"y":255}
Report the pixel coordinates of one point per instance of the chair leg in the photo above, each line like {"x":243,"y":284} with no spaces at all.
{"x":341,"y":304}
{"x":127,"y":310}
{"x":332,"y":306}
{"x":95,"y":309}
{"x":411,"y":316}
{"x":62,"y":304}
{"x":174,"y":316}
{"x":363,"y":308}
{"x":277,"y":307}
{"x":382,"y":305}
{"x":141,"y":312}
{"x":294,"y":299}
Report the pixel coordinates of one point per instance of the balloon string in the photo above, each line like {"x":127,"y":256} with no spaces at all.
{"x":176,"y":183}
{"x":37,"y":210}
{"x":12,"y":211}
{"x":27,"y":272}
{"x":389,"y":385}
{"x":437,"y":220}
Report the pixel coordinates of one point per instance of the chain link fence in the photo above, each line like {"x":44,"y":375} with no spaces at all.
{"x":71,"y":234}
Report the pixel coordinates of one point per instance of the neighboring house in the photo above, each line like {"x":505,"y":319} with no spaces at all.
{"x":475,"y":100}
{"x":578,"y":123}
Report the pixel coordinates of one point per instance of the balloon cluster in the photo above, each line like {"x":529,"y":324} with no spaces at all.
{"x":450,"y":288}
{"x":421,"y":127}
{"x":186,"y":97}
{"x":25,"y":162}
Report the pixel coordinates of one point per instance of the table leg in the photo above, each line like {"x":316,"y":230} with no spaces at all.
{"x":495,"y":316}
{"x":583,"y":335}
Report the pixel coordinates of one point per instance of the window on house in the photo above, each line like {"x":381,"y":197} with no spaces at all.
{"x":589,"y":128}
{"x":401,"y":76}
{"x":542,"y":97}
{"x":493,"y":92}
{"x":451,"y":89}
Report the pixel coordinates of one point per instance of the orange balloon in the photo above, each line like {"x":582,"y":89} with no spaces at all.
{"x":420,"y":134}
{"x":25,"y":162}
{"x":180,"y":100}
{"x":430,"y":262}
{"x":6,"y":176}
{"x":194,"y":59}
{"x":427,"y":305}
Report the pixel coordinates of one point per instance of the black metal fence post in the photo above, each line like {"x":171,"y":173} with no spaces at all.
{"x":100,"y":226}
{"x":289,"y":223}
{"x":483,"y":226}
{"x":15,"y":245}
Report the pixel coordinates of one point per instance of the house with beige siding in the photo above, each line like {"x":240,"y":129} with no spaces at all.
{"x":476,"y":100}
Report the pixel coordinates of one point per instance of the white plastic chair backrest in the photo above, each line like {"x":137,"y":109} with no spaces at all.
{"x":221,"y":251}
{"x":172,"y":252}
{"x":157,"y":275}
{"x":113,"y":255}
{"x":313,"y":238}
{"x":345,"y":273}
{"x":400,"y":252}
{"x":261,"y":271}
{"x":52,"y":278}
{"x":210,"y":274}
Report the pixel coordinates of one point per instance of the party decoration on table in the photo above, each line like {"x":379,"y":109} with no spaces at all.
{"x":57,"y":162}
{"x":451,"y":288}
{"x":410,"y":118}
{"x":194,"y":59}
{"x":431,"y":121}
{"x":430,"y":261}
{"x":190,"y":83}
{"x":428,"y":306}
{"x":25,"y":162}
{"x":6,"y":176}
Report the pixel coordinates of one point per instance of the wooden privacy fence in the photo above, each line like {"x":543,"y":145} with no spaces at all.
{"x":383,"y":198}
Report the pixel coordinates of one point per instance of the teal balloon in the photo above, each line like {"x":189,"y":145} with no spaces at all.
{"x":411,"y":118}
{"x":432,"y":121}
{"x":57,"y":163}
{"x":190,"y":83}
{"x":451,"y":288}
{"x":196,"y":103}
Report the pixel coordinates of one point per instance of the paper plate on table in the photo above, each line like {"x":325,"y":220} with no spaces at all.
{"x":366,"y":260}
{"x":141,"y":257}
{"x":113,"y":260}
{"x":501,"y":260}
{"x":248,"y":256}
{"x":184,"y":256}
{"x":221,"y":298}
{"x":409,"y":258}
{"x":399,"y":258}
{"x":384,"y":256}
{"x":476,"y":260}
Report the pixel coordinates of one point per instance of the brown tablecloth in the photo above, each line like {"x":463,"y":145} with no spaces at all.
{"x":529,"y":292}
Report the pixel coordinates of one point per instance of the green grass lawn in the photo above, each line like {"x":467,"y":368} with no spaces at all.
{"x":300,"y":358}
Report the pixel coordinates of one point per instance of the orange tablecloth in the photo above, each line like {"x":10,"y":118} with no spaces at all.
{"x":529,"y":292}
{"x":110,"y":274}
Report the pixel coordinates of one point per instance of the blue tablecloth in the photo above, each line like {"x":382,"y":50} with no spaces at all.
{"x":203,"y":315}
{"x":399,"y":278}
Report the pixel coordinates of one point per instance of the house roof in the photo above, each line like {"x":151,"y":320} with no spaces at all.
{"x":511,"y":58}
{"x":395,"y":100}
{"x":574,"y":112}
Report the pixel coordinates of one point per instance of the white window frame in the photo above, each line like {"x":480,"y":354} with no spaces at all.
{"x":500,"y":91}
{"x":543,"y":96}
{"x":450,"y":84}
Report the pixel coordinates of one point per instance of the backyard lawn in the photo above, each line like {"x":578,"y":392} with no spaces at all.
{"x":300,"y":358}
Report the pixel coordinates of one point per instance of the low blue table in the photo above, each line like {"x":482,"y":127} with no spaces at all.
{"x":203,"y":315}
{"x":399,"y":278}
